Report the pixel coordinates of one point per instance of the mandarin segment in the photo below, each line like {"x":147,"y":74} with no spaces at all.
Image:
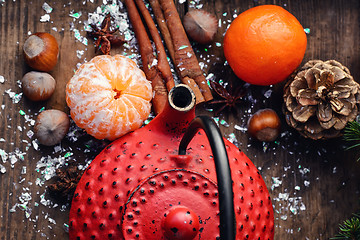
{"x":138,"y":90}
{"x":109,"y":96}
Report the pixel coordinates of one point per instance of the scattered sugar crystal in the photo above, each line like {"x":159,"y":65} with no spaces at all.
{"x":293,"y":210}
{"x":66,"y":227}
{"x":224,"y":123}
{"x":75,"y":15}
{"x":276,"y":182}
{"x":16,"y":97}
{"x":27,"y":211}
{"x":45,"y":18}
{"x":51,"y":220}
{"x":44,"y":201}
{"x":232,"y":138}
{"x":202,"y":65}
{"x":2,"y":169}
{"x":4,"y":155}
{"x":30,"y":134}
{"x":57,"y":148}
{"x":38,"y":182}
{"x":306,"y":183}
{"x":80,"y":38}
{"x":47,"y":8}
{"x":13,"y":208}
{"x":79,"y":53}
{"x":240,"y":128}
{"x":35,"y":144}
{"x":297,"y":188}
{"x":302,"y":206}
{"x":154,"y":63}
{"x":29,"y":120}
{"x":304,"y":171}
{"x":284,"y":196}
{"x":210,"y":76}
{"x":2,"y":79}
{"x":23,"y":170}
{"x":268,"y":93}
{"x":78,"y":65}
{"x":287,"y":168}
{"x":216,"y":120}
{"x":265,"y":146}
{"x":13,"y":160}
{"x":25,"y":197}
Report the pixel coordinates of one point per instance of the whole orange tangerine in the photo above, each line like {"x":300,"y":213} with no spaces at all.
{"x":109,"y":96}
{"x":264,"y":45}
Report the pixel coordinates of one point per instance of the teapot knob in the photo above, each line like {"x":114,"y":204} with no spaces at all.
{"x":180,"y":223}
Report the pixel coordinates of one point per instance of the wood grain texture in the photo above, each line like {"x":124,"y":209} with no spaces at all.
{"x":334,"y":180}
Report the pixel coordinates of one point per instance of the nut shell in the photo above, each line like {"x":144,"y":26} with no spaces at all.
{"x":41,"y":51}
{"x":51,"y":126}
{"x":201,"y":26}
{"x":38,"y":86}
{"x":264,"y":125}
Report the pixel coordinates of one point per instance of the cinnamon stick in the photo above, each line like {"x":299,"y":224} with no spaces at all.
{"x":148,"y":58}
{"x":185,"y":58}
{"x":160,"y":19}
{"x":163,"y":64}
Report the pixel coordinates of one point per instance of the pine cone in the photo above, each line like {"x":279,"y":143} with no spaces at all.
{"x":320,"y":99}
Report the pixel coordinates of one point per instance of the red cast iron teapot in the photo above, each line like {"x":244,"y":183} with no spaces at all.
{"x":175,"y":178}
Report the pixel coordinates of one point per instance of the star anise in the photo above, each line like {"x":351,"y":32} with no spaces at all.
{"x":66,"y":182}
{"x":104,"y":37}
{"x":230,"y":95}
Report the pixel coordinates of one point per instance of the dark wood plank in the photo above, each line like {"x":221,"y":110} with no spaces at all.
{"x":334,"y":183}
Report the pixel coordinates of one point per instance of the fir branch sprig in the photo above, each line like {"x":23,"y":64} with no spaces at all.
{"x":352,"y":134}
{"x":350,"y":229}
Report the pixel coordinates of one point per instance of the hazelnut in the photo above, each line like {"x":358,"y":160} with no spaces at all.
{"x":201,"y":26}
{"x":38,"y":86}
{"x":51,"y":126}
{"x":264,"y":125}
{"x":41,"y":51}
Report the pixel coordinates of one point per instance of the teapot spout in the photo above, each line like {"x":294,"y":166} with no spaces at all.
{"x":178,"y":112}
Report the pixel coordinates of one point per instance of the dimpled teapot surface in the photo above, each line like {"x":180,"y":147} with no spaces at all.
{"x":140,"y":187}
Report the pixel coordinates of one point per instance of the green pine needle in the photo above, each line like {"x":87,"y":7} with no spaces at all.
{"x":350,"y":229}
{"x":352,"y":134}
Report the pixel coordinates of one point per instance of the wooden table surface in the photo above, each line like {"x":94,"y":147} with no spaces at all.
{"x":314,"y":184}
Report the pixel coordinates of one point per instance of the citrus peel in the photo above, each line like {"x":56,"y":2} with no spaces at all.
{"x":109,"y":96}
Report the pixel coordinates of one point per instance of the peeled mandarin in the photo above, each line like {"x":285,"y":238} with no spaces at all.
{"x":109,"y":96}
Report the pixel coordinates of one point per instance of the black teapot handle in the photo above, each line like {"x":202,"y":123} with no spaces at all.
{"x":223,"y":174}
